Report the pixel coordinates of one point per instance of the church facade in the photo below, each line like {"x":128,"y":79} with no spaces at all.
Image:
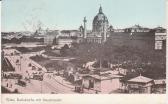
{"x":100,"y":27}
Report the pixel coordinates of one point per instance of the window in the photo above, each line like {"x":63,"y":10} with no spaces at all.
{"x":158,"y":45}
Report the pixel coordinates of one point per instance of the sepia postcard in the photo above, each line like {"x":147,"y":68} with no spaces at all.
{"x":83,"y":51}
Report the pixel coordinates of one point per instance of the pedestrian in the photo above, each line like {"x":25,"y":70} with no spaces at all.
{"x":11,"y":86}
{"x":96,"y":92}
{"x":6,"y":84}
{"x":29,"y":80}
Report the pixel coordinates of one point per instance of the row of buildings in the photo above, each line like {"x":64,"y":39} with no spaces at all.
{"x":102,"y":32}
{"x":106,"y":81}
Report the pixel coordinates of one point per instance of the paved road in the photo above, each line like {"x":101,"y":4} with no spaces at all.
{"x":56,"y":86}
{"x":48,"y":85}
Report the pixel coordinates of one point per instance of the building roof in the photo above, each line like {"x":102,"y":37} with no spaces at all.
{"x":68,"y":37}
{"x":54,"y":32}
{"x":110,"y":76}
{"x":160,"y":30}
{"x":69,"y":31}
{"x":159,"y":27}
{"x":138,"y":27}
{"x":160,"y":81}
{"x":106,"y":76}
{"x":96,"y":76}
{"x":102,"y":77}
{"x":140,"y":79}
{"x":7,"y":66}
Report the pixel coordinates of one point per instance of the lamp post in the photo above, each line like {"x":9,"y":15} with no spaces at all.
{"x":42,"y":82}
{"x":41,"y":87}
{"x":20,"y":62}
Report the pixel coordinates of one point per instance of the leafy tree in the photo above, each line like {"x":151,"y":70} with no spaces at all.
{"x":64,"y":50}
{"x":54,"y":41}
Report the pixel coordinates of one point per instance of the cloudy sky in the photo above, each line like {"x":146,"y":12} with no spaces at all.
{"x":25,"y":15}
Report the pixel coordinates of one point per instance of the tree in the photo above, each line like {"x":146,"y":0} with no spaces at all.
{"x":54,"y":41}
{"x":64,"y":50}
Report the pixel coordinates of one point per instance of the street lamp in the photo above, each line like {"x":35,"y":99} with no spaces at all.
{"x":41,"y":81}
{"x":41,"y":87}
{"x":20,"y":62}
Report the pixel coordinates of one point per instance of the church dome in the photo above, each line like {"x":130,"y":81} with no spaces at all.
{"x":100,"y":21}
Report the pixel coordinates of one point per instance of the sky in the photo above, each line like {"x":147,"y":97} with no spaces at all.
{"x":27,"y":15}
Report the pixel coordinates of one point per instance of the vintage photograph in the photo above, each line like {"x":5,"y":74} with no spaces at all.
{"x":83,"y":47}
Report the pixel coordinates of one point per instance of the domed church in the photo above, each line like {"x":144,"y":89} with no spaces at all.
{"x":100,"y":22}
{"x":100,"y":27}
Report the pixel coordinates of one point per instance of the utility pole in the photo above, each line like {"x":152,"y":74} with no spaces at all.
{"x":41,"y":87}
{"x":100,"y":64}
{"x":20,"y":62}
